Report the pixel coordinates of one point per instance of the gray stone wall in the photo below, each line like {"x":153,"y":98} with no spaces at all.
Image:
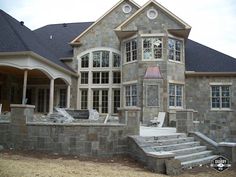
{"x":217,"y":125}
{"x":74,"y":93}
{"x":5,"y":133}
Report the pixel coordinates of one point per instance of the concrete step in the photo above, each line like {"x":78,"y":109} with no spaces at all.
{"x":167,"y":142}
{"x":164,"y":137}
{"x":194,"y":156}
{"x":197,"y":162}
{"x":190,"y":150}
{"x":176,"y":146}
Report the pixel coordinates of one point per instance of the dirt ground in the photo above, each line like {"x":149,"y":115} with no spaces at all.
{"x":31,"y":164}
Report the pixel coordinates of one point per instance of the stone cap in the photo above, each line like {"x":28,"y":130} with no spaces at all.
{"x":22,"y":106}
{"x":161,"y":154}
{"x":186,"y":110}
{"x":227,"y":144}
{"x":132,"y":108}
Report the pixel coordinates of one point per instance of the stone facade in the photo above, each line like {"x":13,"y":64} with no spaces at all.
{"x":218,"y":125}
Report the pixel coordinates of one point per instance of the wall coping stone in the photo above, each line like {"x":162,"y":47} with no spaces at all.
{"x":133,"y":108}
{"x":22,"y":106}
{"x":74,"y":124}
{"x":205,"y":138}
{"x":227,"y":144}
{"x":161,"y":154}
{"x":186,"y":110}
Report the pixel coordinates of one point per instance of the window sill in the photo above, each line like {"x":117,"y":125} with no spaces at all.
{"x":175,"y":108}
{"x":147,"y":60}
{"x":173,"y":61}
{"x":130,"y":62}
{"x":221,"y":110}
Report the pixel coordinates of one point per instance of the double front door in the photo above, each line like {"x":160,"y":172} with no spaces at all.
{"x":100,"y":100}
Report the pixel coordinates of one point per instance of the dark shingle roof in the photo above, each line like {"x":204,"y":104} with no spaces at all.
{"x":57,"y":37}
{"x":200,"y":58}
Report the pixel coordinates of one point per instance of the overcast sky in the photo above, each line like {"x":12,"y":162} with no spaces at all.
{"x":213,"y":21}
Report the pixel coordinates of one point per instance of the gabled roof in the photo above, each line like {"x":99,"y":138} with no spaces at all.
{"x":199,"y":58}
{"x":57,"y":37}
{"x":158,"y":5}
{"x":15,"y":37}
{"x":102,"y":17}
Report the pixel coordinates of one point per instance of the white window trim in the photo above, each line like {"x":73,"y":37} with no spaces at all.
{"x":131,"y":54}
{"x":162,"y":54}
{"x":176,"y":83}
{"x":230,"y":96}
{"x":130,"y":95}
{"x":157,"y":93}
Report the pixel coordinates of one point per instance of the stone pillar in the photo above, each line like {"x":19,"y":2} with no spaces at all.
{"x":51,"y":99}
{"x":228,"y":150}
{"x":130,"y":117}
{"x":19,"y":116}
{"x":24,"y":87}
{"x":68,"y":97}
{"x":184,"y":120}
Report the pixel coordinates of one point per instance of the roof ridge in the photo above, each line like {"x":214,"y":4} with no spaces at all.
{"x":4,"y":14}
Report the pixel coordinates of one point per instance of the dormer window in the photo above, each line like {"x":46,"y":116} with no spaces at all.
{"x":175,"y":48}
{"x":152,"y":48}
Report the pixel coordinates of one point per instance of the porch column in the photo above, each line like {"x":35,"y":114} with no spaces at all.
{"x":24,"y":86}
{"x":68,"y":97}
{"x":51,"y":100}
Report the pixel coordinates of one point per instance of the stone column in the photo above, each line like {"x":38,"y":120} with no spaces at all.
{"x":68,"y":97}
{"x":51,"y":99}
{"x":24,"y":86}
{"x":130,"y":117}
{"x":184,"y":120}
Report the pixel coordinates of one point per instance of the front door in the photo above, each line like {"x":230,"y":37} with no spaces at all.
{"x":100,"y":100}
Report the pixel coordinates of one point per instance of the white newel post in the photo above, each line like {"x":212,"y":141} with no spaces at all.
{"x":68,"y":97}
{"x":24,"y":87}
{"x":51,"y":96}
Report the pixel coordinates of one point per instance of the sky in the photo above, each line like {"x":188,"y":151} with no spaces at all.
{"x":213,"y":22}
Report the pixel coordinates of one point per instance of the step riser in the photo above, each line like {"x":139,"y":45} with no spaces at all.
{"x":194,"y":157}
{"x":168,"y":142}
{"x":175,"y":147}
{"x":190,"y":151}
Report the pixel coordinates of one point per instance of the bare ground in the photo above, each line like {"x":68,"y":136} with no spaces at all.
{"x":34,"y":164}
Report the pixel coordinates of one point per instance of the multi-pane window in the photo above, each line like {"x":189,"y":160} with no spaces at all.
{"x":131,"y":95}
{"x":175,"y":48}
{"x":116,"y":60}
{"x":84,"y":78}
{"x":220,"y":97}
{"x":85,"y":61}
{"x":96,"y":100}
{"x":62,"y":103}
{"x":175,"y":95}
{"x":152,"y":48}
{"x":131,"y":50}
{"x":100,"y":100}
{"x":84,"y":99}
{"x":116,"y":77}
{"x":101,"y":59}
{"x":104,"y":101}
{"x":116,"y":100}
{"x":100,"y":77}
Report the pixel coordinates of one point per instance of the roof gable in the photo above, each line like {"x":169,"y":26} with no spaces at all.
{"x":155,"y":5}
{"x":76,"y":40}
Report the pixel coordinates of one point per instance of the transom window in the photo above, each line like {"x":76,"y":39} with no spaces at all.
{"x":220,"y":97}
{"x":116,"y":77}
{"x":84,"y":77}
{"x":116,"y":60}
{"x":175,"y":48}
{"x":101,"y":59}
{"x":85,"y":61}
{"x":131,"y":50}
{"x":100,"y":77}
{"x":175,"y":95}
{"x":152,"y":48}
{"x":131,"y":95}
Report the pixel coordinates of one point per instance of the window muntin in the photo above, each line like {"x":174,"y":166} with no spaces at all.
{"x":100,"y":77}
{"x":84,"y":77}
{"x":85,"y":61}
{"x":175,"y":95}
{"x":116,"y":60}
{"x":131,"y":95}
{"x":152,"y":48}
{"x":100,"y":59}
{"x":131,"y":50}
{"x":116,"y":100}
{"x":84,"y":99}
{"x":116,"y":77}
{"x":175,"y":48}
{"x":220,"y":97}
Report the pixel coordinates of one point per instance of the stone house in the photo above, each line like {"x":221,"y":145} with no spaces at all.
{"x":131,"y":56}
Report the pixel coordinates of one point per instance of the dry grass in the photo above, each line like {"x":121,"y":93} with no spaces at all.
{"x":21,"y":165}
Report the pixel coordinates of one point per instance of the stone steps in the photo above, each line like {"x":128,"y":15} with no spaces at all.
{"x":197,"y":162}
{"x":172,"y":147}
{"x":189,"y":150}
{"x":164,"y":137}
{"x":168,"y":142}
{"x":194,"y":156}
